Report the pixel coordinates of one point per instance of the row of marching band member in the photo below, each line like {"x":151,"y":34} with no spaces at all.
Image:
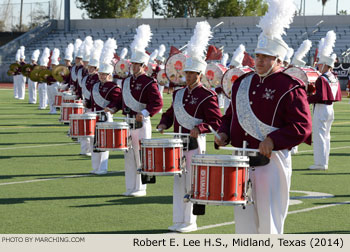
{"x":268,"y":111}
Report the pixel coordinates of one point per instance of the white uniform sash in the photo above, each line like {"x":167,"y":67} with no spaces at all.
{"x":73,"y":74}
{"x":246,"y":117}
{"x":80,"y":76}
{"x":184,"y":119}
{"x":332,"y":82}
{"x":99,"y":100}
{"x":129,"y":100}
{"x":86,"y":92}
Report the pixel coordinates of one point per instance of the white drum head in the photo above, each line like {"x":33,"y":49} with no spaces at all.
{"x":161,"y":78}
{"x":220,"y":160}
{"x":161,"y":142}
{"x":112,"y":125}
{"x":122,"y":68}
{"x":214,"y":73}
{"x":229,"y":77}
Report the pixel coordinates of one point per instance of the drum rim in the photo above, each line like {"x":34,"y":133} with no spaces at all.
{"x":151,"y":142}
{"x":218,"y":202}
{"x":109,"y":125}
{"x":112,"y":149}
{"x":220,"y":157}
{"x":82,"y":116}
{"x":161,"y":173}
{"x":72,"y":105}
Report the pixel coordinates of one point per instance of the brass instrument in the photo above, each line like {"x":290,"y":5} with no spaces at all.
{"x":26,"y":69}
{"x":13,"y":69}
{"x":34,"y":74}
{"x":44,"y":74}
{"x":60,"y":72}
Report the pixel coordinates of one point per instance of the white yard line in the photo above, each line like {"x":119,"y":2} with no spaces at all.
{"x":63,"y":177}
{"x":336,"y":148}
{"x":36,"y":146}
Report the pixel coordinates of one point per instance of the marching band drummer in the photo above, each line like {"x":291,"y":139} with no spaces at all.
{"x":52,"y":83}
{"x":68,"y":57}
{"x":21,"y":80}
{"x":16,"y":75}
{"x":194,"y":108}
{"x":107,"y":96}
{"x":86,"y":85}
{"x":327,"y":92}
{"x":42,"y":86}
{"x":85,"y":49}
{"x":32,"y":85}
{"x":73,"y":77}
{"x":141,"y":100}
{"x":268,"y":116}
{"x":160,"y":60}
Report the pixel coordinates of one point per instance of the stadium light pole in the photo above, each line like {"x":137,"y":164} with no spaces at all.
{"x":20,"y":17}
{"x":66,"y":15}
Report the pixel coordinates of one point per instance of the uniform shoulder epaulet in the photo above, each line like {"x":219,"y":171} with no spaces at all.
{"x":212,"y":92}
{"x":295,"y":80}
{"x":148,"y":78}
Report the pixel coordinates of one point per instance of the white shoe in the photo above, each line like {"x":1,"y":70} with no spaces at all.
{"x":93,"y":171}
{"x":52,"y":112}
{"x":42,"y":108}
{"x":187,"y":227}
{"x":100,"y":172}
{"x":175,"y":226}
{"x":318,"y":167}
{"x":138,"y":193}
{"x":127,"y":193}
{"x":86,"y":154}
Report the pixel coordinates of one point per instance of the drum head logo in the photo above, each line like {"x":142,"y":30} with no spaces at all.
{"x":178,"y":65}
{"x":262,"y":42}
{"x":210,"y":74}
{"x":203,"y":184}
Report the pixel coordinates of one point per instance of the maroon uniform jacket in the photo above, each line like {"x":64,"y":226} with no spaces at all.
{"x":106,"y":95}
{"x":90,"y":82}
{"x":200,"y":103}
{"x":278,"y":101}
{"x":143,"y":89}
{"x":324,"y":86}
{"x":73,"y":83}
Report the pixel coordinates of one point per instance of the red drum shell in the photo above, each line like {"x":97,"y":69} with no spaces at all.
{"x":161,"y":156}
{"x":112,"y":136}
{"x":82,"y":125}
{"x":214,"y":179}
{"x":70,"y":108}
{"x":230,"y":76}
{"x":58,"y":100}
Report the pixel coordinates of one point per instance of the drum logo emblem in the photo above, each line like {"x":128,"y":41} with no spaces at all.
{"x":102,"y":138}
{"x":202,"y":183}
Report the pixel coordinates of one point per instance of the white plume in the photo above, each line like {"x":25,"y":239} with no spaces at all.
{"x":22,"y":49}
{"x":238,"y":55}
{"x":334,"y":56}
{"x":55,"y":54}
{"x":87,"y":46}
{"x":77,"y":45}
{"x":278,"y":18}
{"x":153,"y":55}
{"x":142,"y":38}
{"x":69,"y":51}
{"x":108,"y":51}
{"x":161,"y":50}
{"x":96,"y":50}
{"x":329,"y":43}
{"x":290,"y":53}
{"x":44,"y":59}
{"x":303,"y":49}
{"x":224,"y":59}
{"x":35,"y":55}
{"x":18,"y":55}
{"x":320,"y":45}
{"x":124,"y":53}
{"x":196,"y":47}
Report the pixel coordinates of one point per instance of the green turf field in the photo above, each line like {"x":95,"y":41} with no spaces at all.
{"x":45,"y":186}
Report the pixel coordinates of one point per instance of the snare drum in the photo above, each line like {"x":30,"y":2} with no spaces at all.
{"x":112,"y":136}
{"x":214,"y":73}
{"x":161,"y":157}
{"x":68,"y":109}
{"x":69,"y":98}
{"x":82,"y":125}
{"x":219,"y":179}
{"x":58,"y":100}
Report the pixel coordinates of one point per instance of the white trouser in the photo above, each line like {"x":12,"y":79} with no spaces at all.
{"x":182,"y":211}
{"x":15,"y":86}
{"x":161,"y":90}
{"x":21,"y":88}
{"x":270,"y":193}
{"x":99,"y":160}
{"x":32,"y":91}
{"x":85,"y":145}
{"x":132,"y":157}
{"x":52,"y":90}
{"x":321,"y":128}
{"x":227,"y":102}
{"x":221,"y":100}
{"x":42,"y":90}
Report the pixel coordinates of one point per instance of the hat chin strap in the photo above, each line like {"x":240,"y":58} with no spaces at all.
{"x":269,"y":71}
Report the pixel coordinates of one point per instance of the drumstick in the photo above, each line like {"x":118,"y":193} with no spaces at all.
{"x":214,"y":132}
{"x":176,"y":134}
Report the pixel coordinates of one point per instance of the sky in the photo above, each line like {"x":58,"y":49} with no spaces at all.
{"x":313,"y":7}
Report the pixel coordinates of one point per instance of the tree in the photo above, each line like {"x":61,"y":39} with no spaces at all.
{"x":113,"y":8}
{"x":342,"y":12}
{"x":208,"y":8}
